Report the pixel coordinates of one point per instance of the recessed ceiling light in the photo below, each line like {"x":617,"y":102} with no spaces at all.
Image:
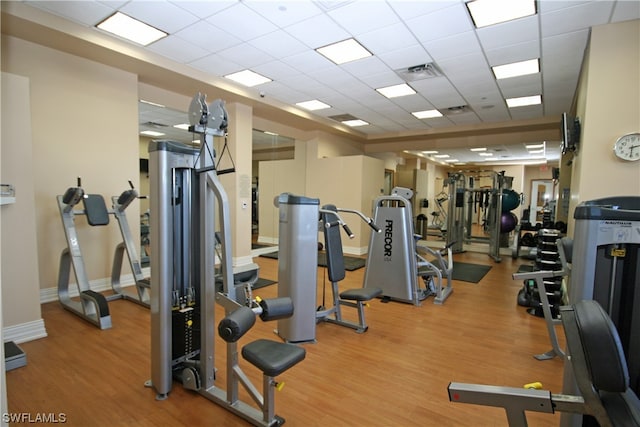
{"x":151,"y":133}
{"x":182,"y":126}
{"x":540,"y":151}
{"x":248,"y":78}
{"x":452,"y":160}
{"x":429,"y":152}
{"x":485,"y":154}
{"x":313,"y":105}
{"x":478,"y":149}
{"x":344,"y":51}
{"x":534,"y":146}
{"x":490,"y":12}
{"x":131,"y":29}
{"x":395,"y":91}
{"x":441,"y":156}
{"x":427,"y":114}
{"x":266,"y":132}
{"x":516,"y":69}
{"x":524,"y":101}
{"x":355,"y":123}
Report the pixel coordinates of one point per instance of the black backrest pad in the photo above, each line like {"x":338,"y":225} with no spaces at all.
{"x":333,"y":245}
{"x":96,"y":209}
{"x":602,"y":348}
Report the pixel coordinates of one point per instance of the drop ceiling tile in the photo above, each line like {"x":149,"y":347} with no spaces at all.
{"x":277,"y":70}
{"x":464,"y":118}
{"x":203,"y":9}
{"x":304,"y":83}
{"x":162,"y":15}
{"x":245,"y":55}
{"x":528,"y":112}
{"x":387,"y":39}
{"x":384,"y":79}
{"x":406,"y":57}
{"x":282,"y":92}
{"x":90,"y":14}
{"x":413,"y":9}
{"x":509,"y":33}
{"x":177,"y":49}
{"x":241,"y":22}
{"x":207,"y":36}
{"x":513,"y":53}
{"x":521,"y":86}
{"x":318,"y":31}
{"x":626,"y":10}
{"x":366,"y":66}
{"x":575,"y":18}
{"x":278,"y":44}
{"x":499,"y":113}
{"x":216,"y":65}
{"x":308,"y":61}
{"x":549,"y":6}
{"x":284,"y":13}
{"x":441,"y":23}
{"x":413,"y":103}
{"x":450,"y":47}
{"x":333,"y":76}
{"x":376,"y":14}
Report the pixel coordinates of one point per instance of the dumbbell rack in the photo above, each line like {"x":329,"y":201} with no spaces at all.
{"x":544,"y":286}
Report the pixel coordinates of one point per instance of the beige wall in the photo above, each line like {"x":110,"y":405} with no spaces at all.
{"x":20,"y":287}
{"x":84,"y":123}
{"x":608,"y":107}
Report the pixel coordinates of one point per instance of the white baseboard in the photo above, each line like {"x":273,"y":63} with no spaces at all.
{"x":24,"y":332}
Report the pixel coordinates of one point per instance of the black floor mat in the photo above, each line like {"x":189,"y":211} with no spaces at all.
{"x":261,"y":283}
{"x":350,"y":263}
{"x":468,"y":272}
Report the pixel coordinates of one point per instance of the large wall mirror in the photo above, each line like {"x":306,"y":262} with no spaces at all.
{"x":542,"y":193}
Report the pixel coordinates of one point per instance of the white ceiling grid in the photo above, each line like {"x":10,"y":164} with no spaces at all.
{"x":278,"y":38}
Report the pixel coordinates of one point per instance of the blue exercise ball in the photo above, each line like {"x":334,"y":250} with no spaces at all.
{"x":508,"y":222}
{"x":510,"y":200}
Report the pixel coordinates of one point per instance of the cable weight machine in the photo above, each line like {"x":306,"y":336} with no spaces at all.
{"x":466,"y":198}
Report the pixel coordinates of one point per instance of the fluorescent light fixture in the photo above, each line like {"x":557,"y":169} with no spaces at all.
{"x":478,"y":149}
{"x":452,"y":160}
{"x":485,"y":154}
{"x":427,"y":114}
{"x":441,"y":156}
{"x":541,"y":151}
{"x":182,"y":126}
{"x":313,"y":105}
{"x":395,"y":91}
{"x":355,"y":123}
{"x":524,"y":101}
{"x":534,"y":146}
{"x":151,"y":133}
{"x":266,"y":132}
{"x":516,"y":69}
{"x":152,"y":103}
{"x":429,"y":152}
{"x":248,"y":78}
{"x":490,"y":12}
{"x":131,"y":29}
{"x":344,"y":51}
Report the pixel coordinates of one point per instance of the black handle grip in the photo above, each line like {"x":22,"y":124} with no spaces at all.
{"x":331,"y":224}
{"x":375,"y":227}
{"x":348,"y":231}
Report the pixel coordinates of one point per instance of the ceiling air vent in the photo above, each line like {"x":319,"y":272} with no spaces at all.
{"x":343,"y":117}
{"x":419,"y":72}
{"x":460,"y":109}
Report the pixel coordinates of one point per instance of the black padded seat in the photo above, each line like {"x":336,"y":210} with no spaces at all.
{"x":360,"y":294}
{"x":272,"y":357}
{"x":606,"y":364}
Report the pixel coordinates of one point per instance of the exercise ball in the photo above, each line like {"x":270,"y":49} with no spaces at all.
{"x":508,"y":222}
{"x":510,"y":200}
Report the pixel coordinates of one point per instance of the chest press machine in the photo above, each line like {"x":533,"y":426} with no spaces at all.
{"x":93,"y":306}
{"x":186,"y":197}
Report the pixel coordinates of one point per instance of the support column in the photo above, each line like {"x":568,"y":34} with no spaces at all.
{"x":238,"y":184}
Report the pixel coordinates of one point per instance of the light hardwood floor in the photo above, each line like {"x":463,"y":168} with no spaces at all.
{"x":396,"y":374}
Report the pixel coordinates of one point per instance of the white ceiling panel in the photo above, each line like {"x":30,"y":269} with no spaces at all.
{"x":509,"y":33}
{"x":203,"y":9}
{"x":90,"y":15}
{"x":241,"y":22}
{"x":308,"y":61}
{"x":366,"y":66}
{"x":441,"y":23}
{"x":362,"y":17}
{"x":406,"y":57}
{"x":513,"y":53}
{"x":178,"y":49}
{"x":528,"y":112}
{"x":387,"y":39}
{"x":245,"y":55}
{"x":216,"y":65}
{"x":207,"y":36}
{"x":278,"y":44}
{"x":626,"y":10}
{"x":283,"y":13}
{"x":318,"y":31}
{"x":453,"y":46}
{"x":521,"y":86}
{"x":411,"y":9}
{"x":276,"y":70}
{"x":576,"y":18}
{"x":162,"y":15}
